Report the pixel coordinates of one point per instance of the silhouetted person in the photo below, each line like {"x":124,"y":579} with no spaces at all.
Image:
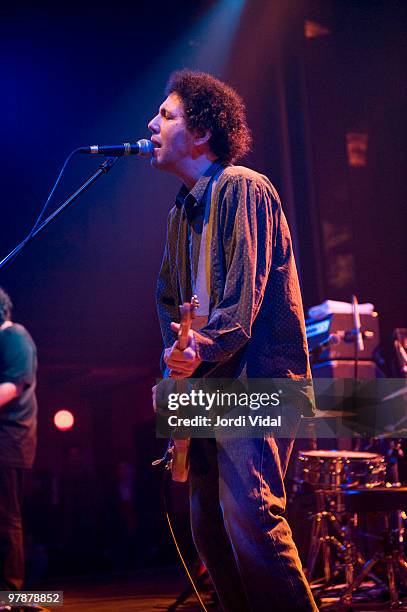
{"x":18,"y":426}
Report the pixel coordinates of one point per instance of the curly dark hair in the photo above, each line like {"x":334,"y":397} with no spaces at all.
{"x":212,"y":105}
{"x":6,"y":306}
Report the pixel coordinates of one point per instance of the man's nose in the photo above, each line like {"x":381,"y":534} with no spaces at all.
{"x":153,"y":125}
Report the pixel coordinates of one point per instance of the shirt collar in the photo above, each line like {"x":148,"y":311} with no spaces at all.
{"x":195,"y":197}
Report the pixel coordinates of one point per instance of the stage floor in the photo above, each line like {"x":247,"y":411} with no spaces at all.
{"x":141,"y":591}
{"x":148,"y":591}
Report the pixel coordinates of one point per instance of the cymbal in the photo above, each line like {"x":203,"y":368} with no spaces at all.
{"x":397,"y":433}
{"x":332,"y":414}
{"x":397,"y":393}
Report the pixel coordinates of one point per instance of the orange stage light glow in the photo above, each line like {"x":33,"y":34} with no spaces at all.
{"x":64,"y":420}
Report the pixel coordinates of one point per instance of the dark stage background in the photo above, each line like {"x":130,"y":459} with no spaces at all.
{"x":312,"y":74}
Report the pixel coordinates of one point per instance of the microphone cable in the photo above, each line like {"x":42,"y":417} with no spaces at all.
{"x":107,"y":164}
{"x":164,"y":504}
{"x":44,"y":208}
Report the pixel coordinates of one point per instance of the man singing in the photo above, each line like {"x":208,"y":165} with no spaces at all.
{"x":228,"y":241}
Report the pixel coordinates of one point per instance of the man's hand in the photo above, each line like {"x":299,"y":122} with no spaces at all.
{"x":182,"y":364}
{"x":8,"y":391}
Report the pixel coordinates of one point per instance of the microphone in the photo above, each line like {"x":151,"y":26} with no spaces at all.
{"x":143,"y":148}
{"x":330,"y":341}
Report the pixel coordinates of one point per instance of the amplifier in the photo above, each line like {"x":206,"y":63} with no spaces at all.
{"x":332,"y":337}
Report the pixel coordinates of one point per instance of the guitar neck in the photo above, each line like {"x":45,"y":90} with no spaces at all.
{"x":187,"y":312}
{"x":183,"y":335}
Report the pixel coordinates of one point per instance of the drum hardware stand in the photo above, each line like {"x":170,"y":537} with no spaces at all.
{"x":311,"y":434}
{"x":392,"y":540}
{"x":321,"y":538}
{"x":392,"y":556}
{"x":324,"y":521}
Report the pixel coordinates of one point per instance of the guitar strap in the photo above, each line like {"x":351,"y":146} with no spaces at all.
{"x":203,"y":277}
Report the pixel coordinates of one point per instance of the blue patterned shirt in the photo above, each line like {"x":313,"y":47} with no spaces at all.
{"x":256,"y":322}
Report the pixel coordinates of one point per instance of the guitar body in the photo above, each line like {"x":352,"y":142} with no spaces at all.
{"x":179,"y":462}
{"x":180,"y":459}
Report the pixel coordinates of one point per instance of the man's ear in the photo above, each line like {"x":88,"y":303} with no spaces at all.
{"x":201,"y":139}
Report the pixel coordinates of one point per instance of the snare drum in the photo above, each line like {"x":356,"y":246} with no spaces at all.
{"x":332,"y":469}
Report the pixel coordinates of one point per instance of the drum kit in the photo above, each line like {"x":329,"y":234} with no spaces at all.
{"x":354,"y":488}
{"x":347,"y":486}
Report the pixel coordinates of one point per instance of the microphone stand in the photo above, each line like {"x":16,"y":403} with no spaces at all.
{"x":103,"y":169}
{"x":357,"y":334}
{"x":358,"y":343}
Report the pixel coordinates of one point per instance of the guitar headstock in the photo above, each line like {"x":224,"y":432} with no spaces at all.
{"x":194,"y":304}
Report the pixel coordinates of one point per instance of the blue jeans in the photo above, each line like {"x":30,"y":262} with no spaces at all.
{"x":237,"y":499}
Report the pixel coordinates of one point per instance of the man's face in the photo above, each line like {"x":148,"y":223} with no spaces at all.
{"x":172,"y":140}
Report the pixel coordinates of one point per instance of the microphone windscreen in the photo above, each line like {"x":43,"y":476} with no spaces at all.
{"x":146,"y":147}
